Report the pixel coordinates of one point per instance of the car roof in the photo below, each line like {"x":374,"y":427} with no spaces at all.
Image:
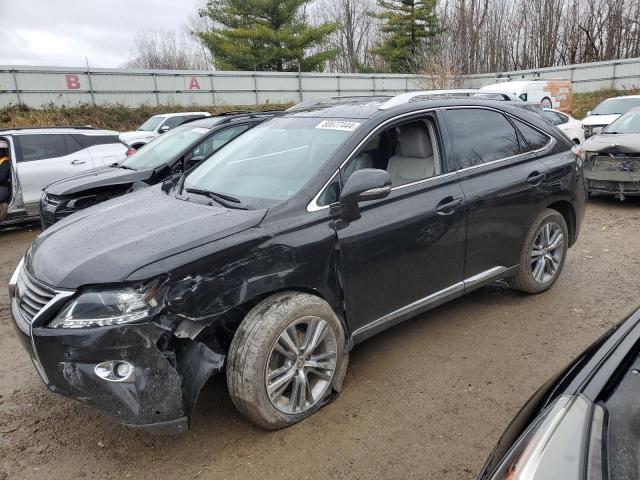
{"x":368,"y":107}
{"x":178,"y":114}
{"x":64,"y":130}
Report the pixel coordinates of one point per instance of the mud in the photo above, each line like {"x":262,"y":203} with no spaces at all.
{"x":427,"y":399}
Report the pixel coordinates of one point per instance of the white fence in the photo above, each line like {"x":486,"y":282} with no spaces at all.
{"x":39,"y":86}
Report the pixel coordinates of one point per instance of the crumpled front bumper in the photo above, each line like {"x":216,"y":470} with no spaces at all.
{"x":160,"y":395}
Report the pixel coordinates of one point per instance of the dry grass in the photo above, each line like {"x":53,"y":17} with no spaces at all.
{"x":116,"y":117}
{"x":121,"y":118}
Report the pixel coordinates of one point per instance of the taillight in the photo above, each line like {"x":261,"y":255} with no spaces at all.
{"x":131,"y":151}
{"x":579,"y":151}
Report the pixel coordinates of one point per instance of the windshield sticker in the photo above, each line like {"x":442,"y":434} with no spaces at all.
{"x":338,"y":125}
{"x":199,"y":130}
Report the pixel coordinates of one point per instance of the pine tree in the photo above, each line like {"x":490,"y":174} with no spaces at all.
{"x":265,"y":35}
{"x":410,"y":27}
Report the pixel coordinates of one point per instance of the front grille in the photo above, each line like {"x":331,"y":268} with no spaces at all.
{"x":618,"y":163}
{"x":31,"y":295}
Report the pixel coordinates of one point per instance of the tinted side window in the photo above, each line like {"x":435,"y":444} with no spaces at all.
{"x":92,"y":140}
{"x":218,"y":140}
{"x":535,"y":140}
{"x":40,"y":147}
{"x":479,"y":136}
{"x":173,"y":122}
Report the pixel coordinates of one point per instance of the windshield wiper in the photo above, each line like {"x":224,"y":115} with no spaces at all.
{"x":122,"y":165}
{"x":223,"y":199}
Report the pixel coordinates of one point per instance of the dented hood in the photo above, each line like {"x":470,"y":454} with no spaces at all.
{"x":606,"y":143}
{"x":108,"y":242}
{"x":97,"y":178}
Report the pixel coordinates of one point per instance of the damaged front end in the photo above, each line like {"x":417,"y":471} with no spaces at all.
{"x":613,"y":173}
{"x":114,"y":350}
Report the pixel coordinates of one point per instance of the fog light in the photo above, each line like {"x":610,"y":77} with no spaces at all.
{"x":115,"y":371}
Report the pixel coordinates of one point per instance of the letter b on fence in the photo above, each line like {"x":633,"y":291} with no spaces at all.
{"x":73,"y":82}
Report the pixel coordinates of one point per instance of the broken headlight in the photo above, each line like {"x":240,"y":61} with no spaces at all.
{"x":101,"y":308}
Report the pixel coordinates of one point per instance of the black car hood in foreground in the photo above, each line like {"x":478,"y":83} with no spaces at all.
{"x":100,"y":177}
{"x":108,"y":242}
{"x":620,"y":143}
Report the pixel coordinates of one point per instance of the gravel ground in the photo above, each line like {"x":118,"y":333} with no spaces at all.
{"x":428,"y":399}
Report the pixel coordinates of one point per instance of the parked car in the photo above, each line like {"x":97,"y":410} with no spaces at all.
{"x":174,"y":153}
{"x":581,"y":424}
{"x":606,"y":112}
{"x":557,"y":94}
{"x":612,"y":158}
{"x":157,"y":125}
{"x":569,"y":125}
{"x":40,"y":156}
{"x":303,"y":237}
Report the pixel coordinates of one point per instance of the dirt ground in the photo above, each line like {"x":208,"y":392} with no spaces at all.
{"x":428,"y":399}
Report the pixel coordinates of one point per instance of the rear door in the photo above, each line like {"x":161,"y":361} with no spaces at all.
{"x":44,"y":158}
{"x":104,"y":149}
{"x":503,"y":180}
{"x":406,"y":253}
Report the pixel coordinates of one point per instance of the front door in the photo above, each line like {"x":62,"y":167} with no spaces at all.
{"x":406,"y":253}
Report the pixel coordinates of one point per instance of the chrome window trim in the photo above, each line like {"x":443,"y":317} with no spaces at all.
{"x":313,"y":206}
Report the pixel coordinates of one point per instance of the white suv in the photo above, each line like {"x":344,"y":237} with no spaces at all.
{"x":157,"y":125}
{"x":40,"y":156}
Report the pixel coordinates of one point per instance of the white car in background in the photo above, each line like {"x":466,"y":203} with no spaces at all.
{"x":157,"y":125}
{"x":607,"y":112}
{"x":557,"y":94}
{"x":40,"y":156}
{"x":569,"y":125}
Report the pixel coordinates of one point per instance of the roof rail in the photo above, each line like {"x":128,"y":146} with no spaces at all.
{"x":316,"y":101}
{"x":454,"y":93}
{"x":71,"y":127}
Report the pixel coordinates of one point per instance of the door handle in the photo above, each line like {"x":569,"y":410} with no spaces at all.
{"x":78,"y":162}
{"x":448,"y":205}
{"x":535,"y":178}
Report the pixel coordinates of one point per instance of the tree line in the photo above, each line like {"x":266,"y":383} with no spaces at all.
{"x":452,"y":37}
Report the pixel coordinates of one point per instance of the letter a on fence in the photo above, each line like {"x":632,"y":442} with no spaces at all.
{"x":193,"y":84}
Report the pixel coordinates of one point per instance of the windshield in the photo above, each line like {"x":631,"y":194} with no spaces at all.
{"x":628,"y":123}
{"x":273,"y":161}
{"x":150,"y":124}
{"x":164,"y":148}
{"x":616,"y":106}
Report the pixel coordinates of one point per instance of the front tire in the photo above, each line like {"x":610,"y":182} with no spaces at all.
{"x":543,"y":254}
{"x":286,"y":359}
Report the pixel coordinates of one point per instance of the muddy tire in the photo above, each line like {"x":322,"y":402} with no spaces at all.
{"x":286,"y":360}
{"x":543,"y":253}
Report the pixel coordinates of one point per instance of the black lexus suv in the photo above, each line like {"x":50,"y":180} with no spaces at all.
{"x":172,"y":153}
{"x":297,"y":240}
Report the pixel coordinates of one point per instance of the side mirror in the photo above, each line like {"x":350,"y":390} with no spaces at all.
{"x":588,"y":113}
{"x":190,"y":162}
{"x":363,"y":185}
{"x":164,"y":129}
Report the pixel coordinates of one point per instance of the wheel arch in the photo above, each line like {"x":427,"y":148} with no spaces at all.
{"x":567,"y":211}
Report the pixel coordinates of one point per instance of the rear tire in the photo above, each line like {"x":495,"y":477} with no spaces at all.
{"x":546,"y":103}
{"x":543,"y":253}
{"x":286,"y":359}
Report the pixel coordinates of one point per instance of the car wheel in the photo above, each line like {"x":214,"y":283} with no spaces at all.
{"x":546,"y":103}
{"x":286,"y":360}
{"x":543,"y":254}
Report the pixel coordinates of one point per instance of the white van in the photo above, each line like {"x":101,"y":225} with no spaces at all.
{"x":556,"y":94}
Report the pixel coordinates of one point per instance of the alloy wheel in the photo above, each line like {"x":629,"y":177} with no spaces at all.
{"x":547,"y":252}
{"x":301,"y":365}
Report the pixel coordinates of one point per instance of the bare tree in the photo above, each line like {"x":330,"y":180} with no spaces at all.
{"x":356,"y":33}
{"x":169,"y":51}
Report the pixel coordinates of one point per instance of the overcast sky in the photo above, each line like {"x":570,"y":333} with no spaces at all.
{"x":64,"y":32}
